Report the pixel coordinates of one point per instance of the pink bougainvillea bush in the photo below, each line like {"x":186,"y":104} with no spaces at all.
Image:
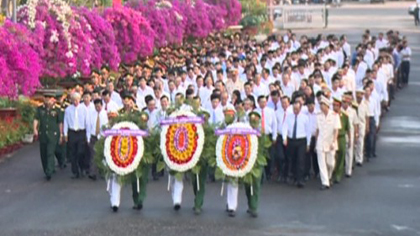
{"x":102,"y":39}
{"x":133,"y":35}
{"x":231,"y":10}
{"x":53,"y":40}
{"x":50,"y":23}
{"x":197,"y":22}
{"x":19,"y":63}
{"x":165,"y":20}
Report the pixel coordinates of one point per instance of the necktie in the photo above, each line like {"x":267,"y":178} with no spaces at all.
{"x":106,"y":106}
{"x":262,"y":121}
{"x":275,"y":106}
{"x":295,"y":128}
{"x":97,"y":126}
{"x":214,"y":117}
{"x":76,"y":119}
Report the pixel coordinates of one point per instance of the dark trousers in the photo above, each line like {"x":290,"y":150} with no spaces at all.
{"x":90,"y":163}
{"x":76,"y":146}
{"x":296,"y":151}
{"x":270,"y":159}
{"x":47,"y":150}
{"x":312,"y":159}
{"x":281,"y":161}
{"x":405,"y":72}
{"x":370,"y":142}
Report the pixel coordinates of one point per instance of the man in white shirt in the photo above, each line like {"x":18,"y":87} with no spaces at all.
{"x":259,"y":87}
{"x":381,"y":42}
{"x":287,"y":86}
{"x":142,"y":91}
{"x":87,"y":102}
{"x":268,"y":127}
{"x":373,"y":124}
{"x":327,"y":126}
{"x":336,"y":91}
{"x":98,"y":119}
{"x":282,"y":160}
{"x":363,"y":117}
{"x":76,"y":119}
{"x":217,"y":117}
{"x":114,"y":95}
{"x":110,"y":107}
{"x":297,"y":138}
{"x":312,"y":159}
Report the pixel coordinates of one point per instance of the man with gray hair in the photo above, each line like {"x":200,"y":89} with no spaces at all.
{"x":75,"y":124}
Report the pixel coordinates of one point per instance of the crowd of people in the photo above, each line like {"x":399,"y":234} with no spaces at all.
{"x":319,"y":99}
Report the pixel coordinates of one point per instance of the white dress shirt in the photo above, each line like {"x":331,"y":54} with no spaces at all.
{"x":270,"y":121}
{"x":141,"y":94}
{"x":281,"y":117}
{"x":75,"y":118}
{"x":288,"y":89}
{"x":153,"y":121}
{"x":111,"y":106}
{"x":117,"y":99}
{"x":302,"y":128}
{"x":312,"y":122}
{"x":91,"y":127}
{"x":262,"y":89}
{"x":217,"y":117}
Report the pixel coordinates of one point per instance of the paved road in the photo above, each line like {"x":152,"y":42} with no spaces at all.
{"x":382,"y":198}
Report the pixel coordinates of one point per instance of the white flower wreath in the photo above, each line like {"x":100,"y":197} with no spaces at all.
{"x":196,"y":153}
{"x":253,"y":145}
{"x":137,"y":158}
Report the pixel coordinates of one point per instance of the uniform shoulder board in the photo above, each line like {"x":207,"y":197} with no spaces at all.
{"x":136,"y":108}
{"x":345,"y":113}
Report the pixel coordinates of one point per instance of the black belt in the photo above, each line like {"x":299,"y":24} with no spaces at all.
{"x":77,"y":131}
{"x":296,"y":139}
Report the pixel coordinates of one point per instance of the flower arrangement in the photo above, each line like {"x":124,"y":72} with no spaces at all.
{"x":235,"y":153}
{"x":182,"y":143}
{"x":123,"y":153}
{"x":19,"y":63}
{"x":133,"y":34}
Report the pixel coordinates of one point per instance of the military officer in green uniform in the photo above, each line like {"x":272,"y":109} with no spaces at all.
{"x":48,"y":126}
{"x":341,"y":140}
{"x":252,"y":191}
{"x":139,"y":194}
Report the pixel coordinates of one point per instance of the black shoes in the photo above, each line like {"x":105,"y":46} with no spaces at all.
{"x":197,"y":211}
{"x":324,"y":187}
{"x":177,"y":207}
{"x":359,"y":164}
{"x":75,"y":176}
{"x":231,"y":213}
{"x":48,"y":178}
{"x":92,"y":177}
{"x":114,"y":208}
{"x":300,"y":185}
{"x":138,"y":207}
{"x":348,"y":176}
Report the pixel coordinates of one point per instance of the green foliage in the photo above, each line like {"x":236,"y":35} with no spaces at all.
{"x":254,"y":13}
{"x":150,"y":144}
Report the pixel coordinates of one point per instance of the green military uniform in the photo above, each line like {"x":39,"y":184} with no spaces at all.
{"x":199,"y":193}
{"x":253,"y":195}
{"x":138,"y":196}
{"x":341,"y":152}
{"x":49,"y":135}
